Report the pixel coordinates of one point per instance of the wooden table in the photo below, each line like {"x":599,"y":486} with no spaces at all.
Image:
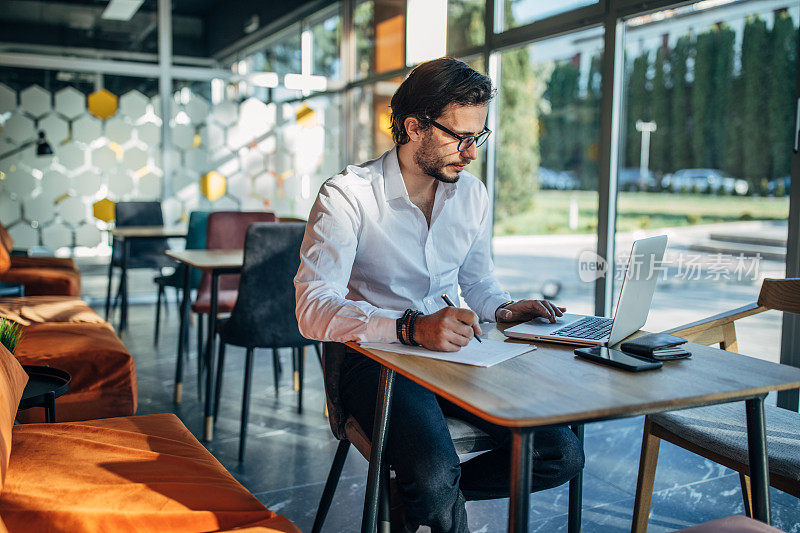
{"x":125,"y":235}
{"x":551,"y":387}
{"x":216,"y":263}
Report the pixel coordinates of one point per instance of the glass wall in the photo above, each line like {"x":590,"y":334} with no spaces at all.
{"x":545,"y":210}
{"x":708,"y":116}
{"x":519,"y":12}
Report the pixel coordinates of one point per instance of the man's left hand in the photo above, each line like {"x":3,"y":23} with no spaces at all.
{"x":529,"y":309}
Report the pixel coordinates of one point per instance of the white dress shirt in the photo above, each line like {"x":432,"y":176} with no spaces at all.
{"x":368,"y":254}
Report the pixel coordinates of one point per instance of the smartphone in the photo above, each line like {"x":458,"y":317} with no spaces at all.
{"x":616,"y":358}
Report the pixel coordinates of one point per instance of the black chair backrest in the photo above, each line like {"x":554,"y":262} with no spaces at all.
{"x":264,"y":316}
{"x":141,"y":214}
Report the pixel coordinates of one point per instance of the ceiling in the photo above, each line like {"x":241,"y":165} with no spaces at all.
{"x":200,"y":28}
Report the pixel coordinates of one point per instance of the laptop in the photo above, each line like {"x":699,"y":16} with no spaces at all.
{"x":638,"y":286}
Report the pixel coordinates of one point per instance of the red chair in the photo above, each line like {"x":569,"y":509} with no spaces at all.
{"x":225,"y":230}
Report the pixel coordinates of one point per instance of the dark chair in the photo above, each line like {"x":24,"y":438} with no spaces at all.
{"x":225,"y":230}
{"x":142,"y":253}
{"x":466,"y":437}
{"x":195,"y":240}
{"x":719,"y":432}
{"x":264,"y":316}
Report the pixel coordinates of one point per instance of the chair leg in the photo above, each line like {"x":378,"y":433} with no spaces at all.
{"x":648,"y":460}
{"x":220,"y":371}
{"x":160,"y":293}
{"x":108,"y":289}
{"x":330,"y":485}
{"x":295,"y":370}
{"x":201,"y":359}
{"x":747,"y":494}
{"x":248,"y":375}
{"x":385,"y":509}
{"x":301,"y":363}
{"x":276,"y":369}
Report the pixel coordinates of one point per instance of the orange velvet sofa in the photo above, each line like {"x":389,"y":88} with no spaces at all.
{"x":65,"y":333}
{"x":141,"y":473}
{"x":40,"y":275}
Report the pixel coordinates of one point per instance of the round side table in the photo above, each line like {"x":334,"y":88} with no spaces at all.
{"x":45,"y":384}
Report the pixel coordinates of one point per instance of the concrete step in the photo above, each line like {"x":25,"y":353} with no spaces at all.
{"x":758,"y":240}
{"x":772,"y":253}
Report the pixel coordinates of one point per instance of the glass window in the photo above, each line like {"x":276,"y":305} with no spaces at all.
{"x":284,"y":55}
{"x":326,"y":43}
{"x":371,"y":134}
{"x":380,"y":28}
{"x":465,"y":24}
{"x":546,"y":175}
{"x":521,"y":12}
{"x":708,"y":131}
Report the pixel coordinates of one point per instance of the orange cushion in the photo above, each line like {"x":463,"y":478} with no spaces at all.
{"x":45,"y":281}
{"x":6,"y":241}
{"x":39,"y":309}
{"x":23,"y":261}
{"x":144,"y":473}
{"x":5,"y":259}
{"x":12,"y":383}
{"x":103,"y":372}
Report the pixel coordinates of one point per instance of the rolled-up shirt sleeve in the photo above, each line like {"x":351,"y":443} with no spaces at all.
{"x":329,"y":247}
{"x":479,"y":287}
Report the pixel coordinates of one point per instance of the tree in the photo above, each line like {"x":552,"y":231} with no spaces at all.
{"x":464,"y":24}
{"x":721,"y":99}
{"x":680,"y":108}
{"x":702,"y":94}
{"x":660,"y":160}
{"x":637,"y":108}
{"x":755,"y":72}
{"x":518,"y":139}
{"x":560,"y":141}
{"x":780,"y":96}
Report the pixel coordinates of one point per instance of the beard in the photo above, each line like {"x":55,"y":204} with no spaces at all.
{"x":431,"y":163}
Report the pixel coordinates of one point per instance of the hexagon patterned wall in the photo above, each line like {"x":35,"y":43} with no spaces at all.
{"x":229,"y":155}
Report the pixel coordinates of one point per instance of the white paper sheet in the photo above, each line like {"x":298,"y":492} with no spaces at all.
{"x":486,"y":353}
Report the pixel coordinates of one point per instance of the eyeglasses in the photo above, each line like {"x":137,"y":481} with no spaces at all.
{"x":465,"y":141}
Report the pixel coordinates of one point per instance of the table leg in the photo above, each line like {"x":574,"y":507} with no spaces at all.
{"x":757,"y":451}
{"x":383,"y":408}
{"x":110,"y":278}
{"x":210,"y":351}
{"x":182,"y":331}
{"x":576,"y":491}
{"x":520,"y":487}
{"x":123,"y":315}
{"x":50,"y":407}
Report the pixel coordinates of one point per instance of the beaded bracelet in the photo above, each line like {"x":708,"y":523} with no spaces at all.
{"x":413,"y":321}
{"x":401,"y":325}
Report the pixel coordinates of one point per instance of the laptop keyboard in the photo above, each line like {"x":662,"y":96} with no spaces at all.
{"x":590,"y":327}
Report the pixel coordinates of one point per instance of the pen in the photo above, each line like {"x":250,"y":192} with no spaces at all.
{"x":449,"y":302}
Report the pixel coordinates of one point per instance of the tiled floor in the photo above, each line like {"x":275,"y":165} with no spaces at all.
{"x":288,"y":455}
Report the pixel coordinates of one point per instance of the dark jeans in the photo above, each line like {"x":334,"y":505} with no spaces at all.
{"x":432,"y":481}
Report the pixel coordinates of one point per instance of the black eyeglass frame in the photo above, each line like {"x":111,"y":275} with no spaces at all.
{"x":478,"y":139}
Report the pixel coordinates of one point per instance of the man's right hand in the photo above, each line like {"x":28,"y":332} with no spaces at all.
{"x":446,"y":330}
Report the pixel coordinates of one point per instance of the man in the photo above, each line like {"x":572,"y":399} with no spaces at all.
{"x":384,"y":241}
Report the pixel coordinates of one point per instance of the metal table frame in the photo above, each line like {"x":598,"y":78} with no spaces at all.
{"x":522,"y":457}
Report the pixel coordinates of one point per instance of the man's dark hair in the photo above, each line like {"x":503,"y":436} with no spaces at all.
{"x":430,"y":87}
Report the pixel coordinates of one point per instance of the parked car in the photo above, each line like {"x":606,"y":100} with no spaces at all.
{"x":631,"y":179}
{"x":704,"y":180}
{"x":562,"y":180}
{"x":774,"y":186}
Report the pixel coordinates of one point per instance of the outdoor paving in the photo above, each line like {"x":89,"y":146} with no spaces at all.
{"x":288,"y":454}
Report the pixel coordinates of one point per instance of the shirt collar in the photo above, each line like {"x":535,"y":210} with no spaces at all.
{"x":395,"y":187}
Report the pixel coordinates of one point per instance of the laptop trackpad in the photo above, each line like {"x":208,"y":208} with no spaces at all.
{"x":542,"y":326}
